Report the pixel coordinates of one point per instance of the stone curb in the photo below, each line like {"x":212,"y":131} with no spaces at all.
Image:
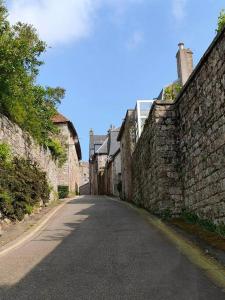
{"x":31,"y":232}
{"x":211,"y":267}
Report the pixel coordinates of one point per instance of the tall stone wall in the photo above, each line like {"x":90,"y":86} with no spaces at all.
{"x":127,"y":146}
{"x":22,"y":145}
{"x":155,"y":165}
{"x":201,"y":109}
{"x":179,"y":161}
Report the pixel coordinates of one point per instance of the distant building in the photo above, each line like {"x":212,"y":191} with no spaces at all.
{"x":69,"y":173}
{"x":105,"y":163}
{"x":98,"y":149}
{"x":113,"y":164}
{"x":84,"y":178}
{"x":142,"y":110}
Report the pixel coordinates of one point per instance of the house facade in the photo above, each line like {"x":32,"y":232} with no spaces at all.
{"x":105,"y":163}
{"x":97,"y":162}
{"x":113,"y":165}
{"x":69,"y":173}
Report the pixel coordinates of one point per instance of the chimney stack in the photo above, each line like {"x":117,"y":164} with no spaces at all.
{"x":184,"y":63}
{"x":91,"y":142}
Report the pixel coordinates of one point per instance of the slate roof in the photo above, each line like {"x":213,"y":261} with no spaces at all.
{"x":96,"y":143}
{"x":113,"y":144}
{"x":105,"y":144}
{"x":129,"y":113}
{"x":104,"y":148}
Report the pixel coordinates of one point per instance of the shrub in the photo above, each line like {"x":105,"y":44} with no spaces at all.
{"x":5,"y":153}
{"x":221,"y":21}
{"x":23,"y":185}
{"x":63,"y":191}
{"x":6,"y":204}
{"x":171,"y":91}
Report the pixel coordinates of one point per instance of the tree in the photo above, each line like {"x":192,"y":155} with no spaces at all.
{"x":22,"y":100}
{"x":221,"y":21}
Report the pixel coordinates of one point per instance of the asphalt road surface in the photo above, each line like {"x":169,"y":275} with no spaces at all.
{"x":97,"y":248}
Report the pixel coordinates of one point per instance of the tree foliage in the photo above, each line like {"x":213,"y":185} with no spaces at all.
{"x":22,"y":100}
{"x":221,"y":21}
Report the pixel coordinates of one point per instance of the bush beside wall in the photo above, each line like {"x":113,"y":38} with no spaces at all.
{"x":22,"y":187}
{"x":63,"y":191}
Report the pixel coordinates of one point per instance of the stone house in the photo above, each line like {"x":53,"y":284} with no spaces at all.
{"x":105,"y":163}
{"x":97,"y":162}
{"x":69,"y":173}
{"x":113,"y":166}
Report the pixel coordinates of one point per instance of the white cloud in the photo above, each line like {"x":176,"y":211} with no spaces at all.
{"x":56,"y":20}
{"x":60,"y":21}
{"x":178,"y":9}
{"x":135,"y":40}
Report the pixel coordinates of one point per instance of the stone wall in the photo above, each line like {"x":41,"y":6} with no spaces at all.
{"x":127,"y":144}
{"x":22,"y":145}
{"x":179,"y":161}
{"x":155,"y":167}
{"x":201,"y":109}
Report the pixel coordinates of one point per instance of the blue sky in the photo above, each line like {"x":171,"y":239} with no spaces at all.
{"x":109,"y":53}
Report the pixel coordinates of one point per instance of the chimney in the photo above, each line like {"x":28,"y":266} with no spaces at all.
{"x":184,"y":63}
{"x":91,"y":142}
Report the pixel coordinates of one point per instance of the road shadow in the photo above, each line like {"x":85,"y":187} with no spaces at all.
{"x":108,"y":252}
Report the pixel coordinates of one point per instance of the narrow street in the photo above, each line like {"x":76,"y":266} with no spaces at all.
{"x":97,"y":248}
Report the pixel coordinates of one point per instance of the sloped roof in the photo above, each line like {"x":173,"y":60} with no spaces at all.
{"x":104,"y":148}
{"x":114,"y":145}
{"x":129,"y":114}
{"x":97,"y":140}
{"x":60,"y":119}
